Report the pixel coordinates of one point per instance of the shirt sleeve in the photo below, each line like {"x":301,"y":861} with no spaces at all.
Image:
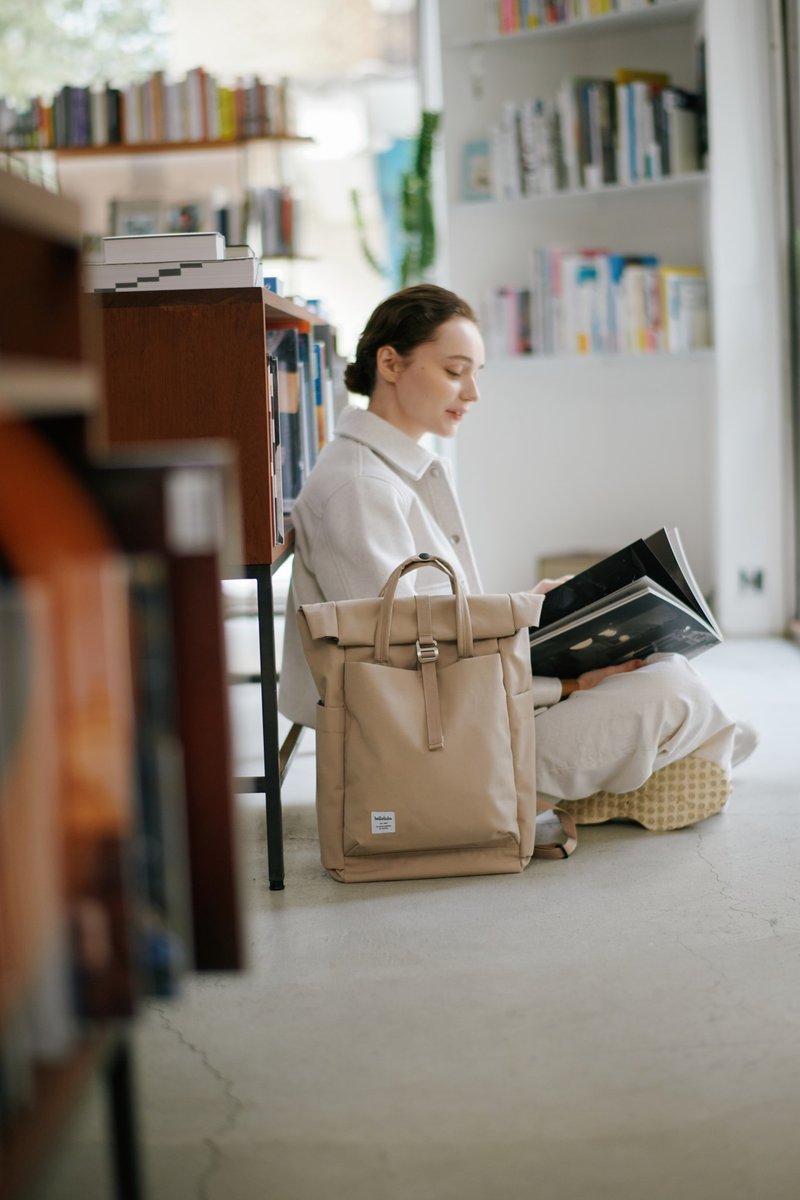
{"x":546,"y":691}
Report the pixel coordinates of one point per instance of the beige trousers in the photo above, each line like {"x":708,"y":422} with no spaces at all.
{"x":614,"y":736}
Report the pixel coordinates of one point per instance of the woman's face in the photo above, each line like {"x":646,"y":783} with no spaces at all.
{"x":436,"y":384}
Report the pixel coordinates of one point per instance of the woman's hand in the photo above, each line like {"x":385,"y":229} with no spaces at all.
{"x":590,"y":679}
{"x":546,"y":585}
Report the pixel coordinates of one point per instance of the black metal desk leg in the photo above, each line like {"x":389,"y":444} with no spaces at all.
{"x":122,"y":1114}
{"x":269,"y":725}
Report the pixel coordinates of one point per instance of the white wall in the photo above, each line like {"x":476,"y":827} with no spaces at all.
{"x":579,"y":467}
{"x":749,"y":247}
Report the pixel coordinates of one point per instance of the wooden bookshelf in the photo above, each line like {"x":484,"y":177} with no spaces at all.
{"x":193,"y":365}
{"x":30,"y":386}
{"x":36,"y":1136}
{"x":134,"y":148}
{"x":47,"y":368}
{"x":77,"y":742}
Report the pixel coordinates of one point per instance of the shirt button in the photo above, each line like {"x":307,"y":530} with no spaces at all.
{"x":455,"y":538}
{"x":435,"y":472}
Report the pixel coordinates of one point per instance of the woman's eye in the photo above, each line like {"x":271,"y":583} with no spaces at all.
{"x":453,"y":374}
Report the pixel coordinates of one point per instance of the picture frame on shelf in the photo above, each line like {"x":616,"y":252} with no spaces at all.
{"x":135,"y":217}
{"x":188,"y":216}
{"x":476,"y":174}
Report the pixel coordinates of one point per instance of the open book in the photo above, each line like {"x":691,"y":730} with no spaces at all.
{"x":641,"y":600}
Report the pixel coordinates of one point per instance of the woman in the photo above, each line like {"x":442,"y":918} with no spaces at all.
{"x":645,"y":741}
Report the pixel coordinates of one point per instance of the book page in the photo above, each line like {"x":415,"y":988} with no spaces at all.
{"x":667,"y":545}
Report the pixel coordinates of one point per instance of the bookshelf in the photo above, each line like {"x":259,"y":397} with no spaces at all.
{"x":193,"y":147}
{"x":160,"y":153}
{"x":598,"y":452}
{"x":47,"y":367}
{"x":580,"y":423}
{"x":603,"y":24}
{"x":608,"y":193}
{"x":118,"y":850}
{"x":193,"y":365}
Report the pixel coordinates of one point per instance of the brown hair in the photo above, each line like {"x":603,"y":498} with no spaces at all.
{"x":404,"y":321}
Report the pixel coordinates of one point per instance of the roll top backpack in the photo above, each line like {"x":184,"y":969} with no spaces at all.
{"x":425,"y":732}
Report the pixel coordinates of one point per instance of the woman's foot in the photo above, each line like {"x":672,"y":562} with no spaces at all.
{"x":744,"y":743}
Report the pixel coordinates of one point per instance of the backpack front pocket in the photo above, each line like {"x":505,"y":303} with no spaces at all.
{"x":402,"y":797}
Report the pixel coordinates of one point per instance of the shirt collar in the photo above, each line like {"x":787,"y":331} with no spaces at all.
{"x":395,"y":447}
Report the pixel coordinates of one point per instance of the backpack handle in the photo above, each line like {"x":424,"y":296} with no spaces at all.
{"x":463,"y":619}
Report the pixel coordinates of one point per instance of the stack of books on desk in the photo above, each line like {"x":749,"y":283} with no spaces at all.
{"x":165,"y":262}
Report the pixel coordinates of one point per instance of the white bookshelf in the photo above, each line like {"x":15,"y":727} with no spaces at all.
{"x":569,"y":452}
{"x":672,"y":184}
{"x":574,"y":436}
{"x":587,"y":363}
{"x":668,"y":12}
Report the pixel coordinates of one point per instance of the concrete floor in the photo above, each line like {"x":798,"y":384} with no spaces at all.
{"x":624,"y":1025}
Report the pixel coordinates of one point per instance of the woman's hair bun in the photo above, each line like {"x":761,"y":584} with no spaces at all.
{"x":356,"y":379}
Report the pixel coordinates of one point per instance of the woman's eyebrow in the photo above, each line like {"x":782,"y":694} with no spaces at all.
{"x":464,"y":358}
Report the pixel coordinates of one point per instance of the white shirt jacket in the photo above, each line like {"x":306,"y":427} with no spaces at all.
{"x":374,"y":498}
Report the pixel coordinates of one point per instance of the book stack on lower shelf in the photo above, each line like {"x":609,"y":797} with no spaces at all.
{"x":592,"y":302}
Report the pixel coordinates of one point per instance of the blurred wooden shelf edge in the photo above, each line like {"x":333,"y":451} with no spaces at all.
{"x":117,"y":149}
{"x":60,"y":1089}
{"x":47,"y":365}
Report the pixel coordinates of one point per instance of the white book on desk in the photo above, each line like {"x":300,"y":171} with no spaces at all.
{"x":172,"y":276}
{"x":163,"y":247}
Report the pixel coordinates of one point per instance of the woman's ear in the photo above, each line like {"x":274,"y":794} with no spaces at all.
{"x":389,"y":363}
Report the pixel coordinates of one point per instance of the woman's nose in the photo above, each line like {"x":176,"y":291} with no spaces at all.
{"x":470,"y":389}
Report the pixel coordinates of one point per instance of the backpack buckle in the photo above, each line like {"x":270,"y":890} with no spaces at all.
{"x":427,"y":653}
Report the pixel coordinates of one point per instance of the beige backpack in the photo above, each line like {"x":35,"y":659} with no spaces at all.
{"x":425,"y":732}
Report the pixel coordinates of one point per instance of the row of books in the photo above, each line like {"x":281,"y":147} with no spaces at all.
{"x":196,"y":108}
{"x":300,"y":365}
{"x":592,"y":302}
{"x":514,"y":16}
{"x":270,"y":221}
{"x":118,"y":849}
{"x":594,"y":132}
